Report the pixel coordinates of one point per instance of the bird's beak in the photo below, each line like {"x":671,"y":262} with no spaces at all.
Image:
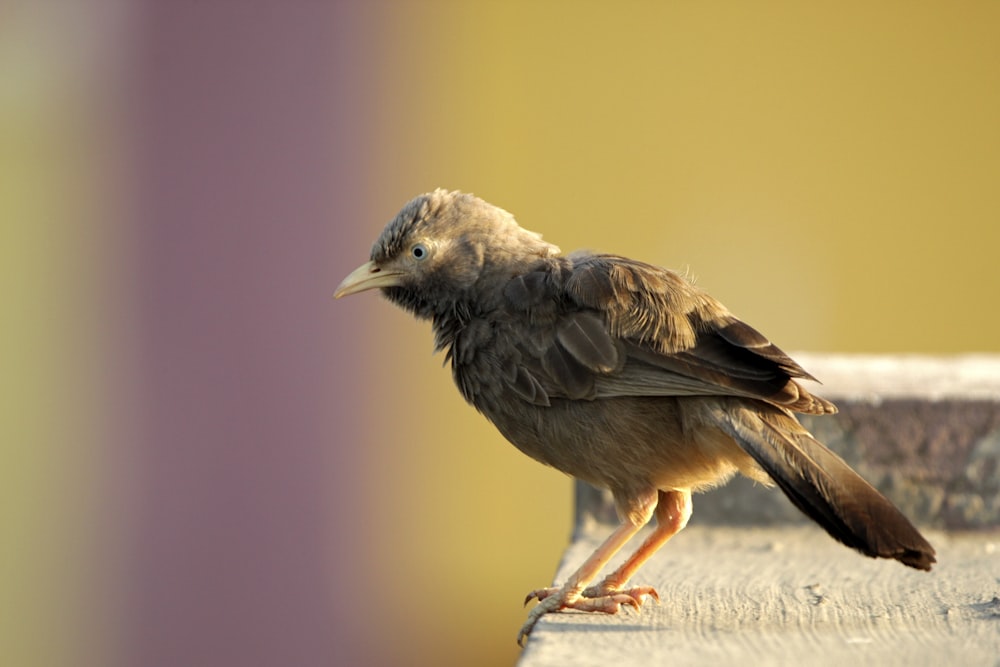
{"x":367,"y":276}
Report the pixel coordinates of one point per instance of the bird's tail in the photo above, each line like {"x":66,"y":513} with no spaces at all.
{"x":825,"y":488}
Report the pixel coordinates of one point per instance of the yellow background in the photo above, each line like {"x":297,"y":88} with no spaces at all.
{"x":829,"y":171}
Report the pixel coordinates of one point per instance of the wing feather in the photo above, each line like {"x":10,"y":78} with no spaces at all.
{"x":601,"y":326}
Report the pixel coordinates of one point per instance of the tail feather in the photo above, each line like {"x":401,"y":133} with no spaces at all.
{"x":826,"y":489}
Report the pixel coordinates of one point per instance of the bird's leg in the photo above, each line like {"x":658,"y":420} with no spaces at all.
{"x":673,"y":510}
{"x":569,"y":595}
{"x":672,"y":513}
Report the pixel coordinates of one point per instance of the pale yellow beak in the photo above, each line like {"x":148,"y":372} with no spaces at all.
{"x":368,"y":276}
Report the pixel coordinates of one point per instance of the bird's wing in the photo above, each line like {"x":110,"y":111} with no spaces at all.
{"x":604,"y":326}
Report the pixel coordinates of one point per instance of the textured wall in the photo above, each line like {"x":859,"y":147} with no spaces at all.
{"x":924,"y":431}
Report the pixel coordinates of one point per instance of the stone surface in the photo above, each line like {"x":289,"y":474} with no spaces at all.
{"x":904,"y":424}
{"x":787,"y":595}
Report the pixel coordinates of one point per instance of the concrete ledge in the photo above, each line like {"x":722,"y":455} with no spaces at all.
{"x":787,"y":596}
{"x":924,"y":431}
{"x":752,"y":579}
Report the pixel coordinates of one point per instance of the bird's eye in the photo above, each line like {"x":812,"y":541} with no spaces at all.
{"x":419,"y":251}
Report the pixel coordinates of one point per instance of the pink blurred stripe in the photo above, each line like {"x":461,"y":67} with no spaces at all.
{"x":250,"y":134}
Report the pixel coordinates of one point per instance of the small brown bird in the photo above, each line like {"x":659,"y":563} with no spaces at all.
{"x":622,"y":374}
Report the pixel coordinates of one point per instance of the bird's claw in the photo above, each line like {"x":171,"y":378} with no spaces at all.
{"x":597,"y":591}
{"x":540,"y":594}
{"x":600,"y":599}
{"x":637,"y":593}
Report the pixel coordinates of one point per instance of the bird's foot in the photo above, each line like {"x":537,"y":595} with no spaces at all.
{"x":635,"y":592}
{"x":600,"y":598}
{"x":601,"y":590}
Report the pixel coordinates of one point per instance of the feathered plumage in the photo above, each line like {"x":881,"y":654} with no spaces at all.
{"x":622,"y":374}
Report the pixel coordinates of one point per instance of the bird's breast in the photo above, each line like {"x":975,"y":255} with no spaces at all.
{"x":624,"y":441}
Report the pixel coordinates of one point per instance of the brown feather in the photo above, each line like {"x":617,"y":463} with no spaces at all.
{"x":619,"y":373}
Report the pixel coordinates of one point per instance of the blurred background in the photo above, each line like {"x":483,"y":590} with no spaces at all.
{"x":206,"y":460}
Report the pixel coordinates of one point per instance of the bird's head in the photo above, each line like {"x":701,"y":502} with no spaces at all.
{"x":446,"y":247}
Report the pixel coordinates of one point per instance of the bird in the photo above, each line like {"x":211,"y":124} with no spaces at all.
{"x":622,"y":374}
